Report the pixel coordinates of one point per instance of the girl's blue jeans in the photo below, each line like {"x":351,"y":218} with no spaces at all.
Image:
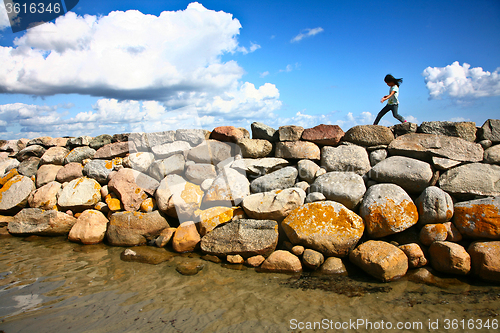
{"x":387,"y":108}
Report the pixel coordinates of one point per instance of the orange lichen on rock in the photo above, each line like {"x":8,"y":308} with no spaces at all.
{"x":8,"y":176}
{"x":210,"y":218}
{"x":478,"y":220}
{"x":328,"y":227}
{"x":389,"y":218}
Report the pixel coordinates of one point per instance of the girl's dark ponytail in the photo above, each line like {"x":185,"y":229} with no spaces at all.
{"x":390,"y":78}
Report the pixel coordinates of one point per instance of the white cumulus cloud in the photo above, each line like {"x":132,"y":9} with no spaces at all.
{"x":461,"y":81}
{"x":306,"y":33}
{"x":126,"y":55}
{"x":4,"y":18}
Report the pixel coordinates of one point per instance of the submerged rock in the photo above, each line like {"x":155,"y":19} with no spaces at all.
{"x":146,"y":254}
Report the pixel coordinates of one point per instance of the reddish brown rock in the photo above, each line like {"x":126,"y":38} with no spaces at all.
{"x":326,"y":226}
{"x":431,"y":233}
{"x":485,"y":258}
{"x":70,"y":171}
{"x":131,"y":186}
{"x":227,"y":134}
{"x":381,"y":260}
{"x":186,"y":237}
{"x":112,"y":150}
{"x":327,"y":135}
{"x":298,"y":150}
{"x":235,"y":259}
{"x":90,"y":228}
{"x":416,"y":257}
{"x":453,"y":234}
{"x":165,"y":237}
{"x":478,"y":218}
{"x":448,"y":257}
{"x":282,"y":262}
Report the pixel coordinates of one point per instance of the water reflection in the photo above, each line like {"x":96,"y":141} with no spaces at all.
{"x":50,"y":284}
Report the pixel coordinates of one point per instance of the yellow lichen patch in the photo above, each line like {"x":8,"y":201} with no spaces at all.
{"x":191,"y":193}
{"x":9,"y":183}
{"x":212,"y":217}
{"x":12,"y":173}
{"x":478,"y":221}
{"x":114,"y":204}
{"x":389,"y":218}
{"x":148,"y":205}
{"x":77,"y":215}
{"x":109,"y":165}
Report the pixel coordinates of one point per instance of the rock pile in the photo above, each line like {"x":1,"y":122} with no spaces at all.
{"x":286,"y":200}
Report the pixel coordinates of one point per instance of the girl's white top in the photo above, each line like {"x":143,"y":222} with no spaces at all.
{"x":394,"y":98}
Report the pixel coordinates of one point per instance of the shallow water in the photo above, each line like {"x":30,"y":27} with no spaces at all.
{"x":52,"y":285}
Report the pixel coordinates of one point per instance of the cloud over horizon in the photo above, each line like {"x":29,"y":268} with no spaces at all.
{"x":461,"y":81}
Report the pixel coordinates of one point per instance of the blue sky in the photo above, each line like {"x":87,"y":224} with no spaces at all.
{"x":122,"y":66}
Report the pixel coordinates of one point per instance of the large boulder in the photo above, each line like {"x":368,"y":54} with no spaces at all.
{"x":326,"y":135}
{"x":193,"y":136}
{"x":79,"y":154}
{"x":99,"y":170}
{"x":199,"y":172}
{"x":282,"y":262}
{"x":80,"y":193}
{"x":297,"y":150}
{"x":434,"y":206}
{"x":262,"y":131}
{"x":273,"y":205}
{"x":244,"y":237}
{"x":307,"y":170}
{"x":490,"y":131}
{"x":29,"y":166}
{"x":41,"y":222}
{"x":347,"y":188}
{"x":90,"y":227}
{"x":211,"y":152}
{"x":448,"y":257}
{"x":478,"y":218}
{"x":228,"y":189}
{"x":387,"y":209}
{"x":345,"y":158}
{"x":168,"y":149}
{"x":259,"y":167}
{"x":174,"y":164}
{"x":14,"y":194}
{"x":277,"y":180}
{"x":381,"y":260}
{"x":464,"y":129}
{"x":186,"y":237}
{"x":227,"y":134}
{"x":290,"y":133}
{"x":69,"y":172}
{"x":411,"y":174}
{"x":8,"y":164}
{"x":47,"y":173}
{"x":45,"y":197}
{"x":112,"y":150}
{"x":132,"y":187}
{"x":425,"y":146}
{"x":134,"y":228}
{"x":144,"y":141}
{"x":369,"y":135}
{"x":485,"y":260}
{"x":31,"y":151}
{"x":326,"y":226}
{"x":255,"y":148}
{"x":492,"y":155}
{"x":464,"y":180}
{"x":100,"y":141}
{"x":141,"y":161}
{"x":54,"y":155}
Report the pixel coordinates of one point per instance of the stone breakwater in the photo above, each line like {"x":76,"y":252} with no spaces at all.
{"x":384,"y":199}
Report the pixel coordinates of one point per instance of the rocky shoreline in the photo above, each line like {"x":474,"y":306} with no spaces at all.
{"x":387,"y":200}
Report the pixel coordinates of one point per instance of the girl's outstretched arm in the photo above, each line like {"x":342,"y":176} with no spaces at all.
{"x":386,"y":97}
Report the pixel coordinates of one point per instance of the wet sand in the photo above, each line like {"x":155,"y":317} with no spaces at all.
{"x":52,"y":285}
